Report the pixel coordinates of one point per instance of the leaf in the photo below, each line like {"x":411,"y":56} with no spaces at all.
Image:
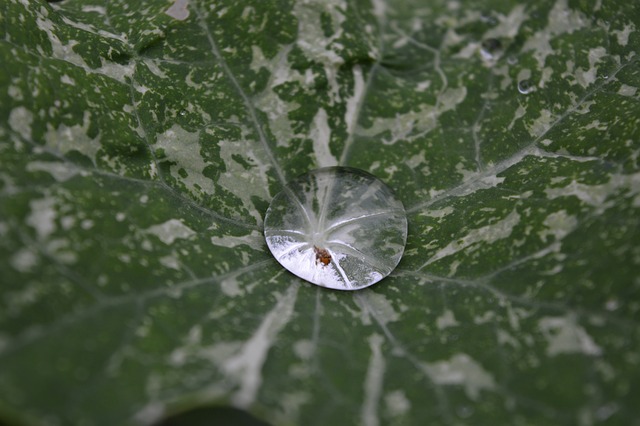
{"x":141,"y":145}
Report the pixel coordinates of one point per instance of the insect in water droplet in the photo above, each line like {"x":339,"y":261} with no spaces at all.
{"x":337,"y":227}
{"x":322,"y":255}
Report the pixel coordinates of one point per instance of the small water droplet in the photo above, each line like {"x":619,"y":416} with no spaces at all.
{"x":183,"y":112}
{"x":525,"y":86}
{"x":490,"y":48}
{"x":337,"y":227}
{"x":512,"y":60}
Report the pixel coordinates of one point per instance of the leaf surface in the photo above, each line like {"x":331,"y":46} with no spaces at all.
{"x":141,"y":145}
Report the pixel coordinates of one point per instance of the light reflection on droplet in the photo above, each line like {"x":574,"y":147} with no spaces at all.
{"x":337,"y":227}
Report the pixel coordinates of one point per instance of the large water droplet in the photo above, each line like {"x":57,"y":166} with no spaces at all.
{"x":337,"y":227}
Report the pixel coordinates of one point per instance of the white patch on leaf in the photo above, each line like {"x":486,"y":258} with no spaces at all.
{"x":304,"y":349}
{"x":447,"y":319}
{"x":517,"y":115}
{"x":414,"y":124}
{"x":73,"y":138}
{"x":255,"y":240}
{"x":320,"y":136}
{"x":558,"y":224}
{"x":179,"y":10}
{"x":171,"y":230}
{"x":313,"y":42}
{"x":15,"y":93}
{"x":230,"y":286}
{"x":597,"y":195}
{"x":508,"y":25}
{"x":170,"y":261}
{"x":504,"y":338}
{"x":150,"y":413}
{"x":94,"y":9}
{"x":561,"y":20}
{"x":564,"y":336}
{"x":23,"y":260}
{"x":269,"y":102}
{"x":67,"y":80}
{"x":291,"y":403}
{"x":587,"y":77}
{"x":397,"y":403}
{"x":42,"y":217}
{"x":623,"y":35}
{"x":246,"y":365}
{"x":61,"y":172}
{"x":379,"y":306}
{"x":246,"y":181}
{"x":373,"y":383}
{"x":486,"y":234}
{"x":351,"y":115}
{"x":66,"y":52}
{"x":20,"y":120}
{"x":541,"y":124}
{"x":153,"y":67}
{"x":461,"y":370}
{"x":627,"y":90}
{"x":183,"y":149}
{"x":439,"y":213}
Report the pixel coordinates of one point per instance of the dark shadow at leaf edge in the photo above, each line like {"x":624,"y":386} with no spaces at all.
{"x":212,"y":416}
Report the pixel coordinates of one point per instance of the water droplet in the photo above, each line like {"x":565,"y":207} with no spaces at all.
{"x":525,"y":86}
{"x":512,"y":60}
{"x":490,"y":48}
{"x":337,"y":227}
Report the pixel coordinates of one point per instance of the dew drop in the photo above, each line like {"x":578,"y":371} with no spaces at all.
{"x":490,"y":48}
{"x":337,"y":227}
{"x":525,"y":86}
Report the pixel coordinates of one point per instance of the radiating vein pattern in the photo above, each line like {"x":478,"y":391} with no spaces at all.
{"x":140,"y":148}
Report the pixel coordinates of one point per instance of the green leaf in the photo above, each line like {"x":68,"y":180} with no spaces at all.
{"x":140,"y":145}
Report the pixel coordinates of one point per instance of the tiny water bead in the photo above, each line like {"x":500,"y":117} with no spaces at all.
{"x":525,"y":87}
{"x":337,"y":227}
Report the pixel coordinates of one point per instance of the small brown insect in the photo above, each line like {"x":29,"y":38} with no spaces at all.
{"x":322,"y":256}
